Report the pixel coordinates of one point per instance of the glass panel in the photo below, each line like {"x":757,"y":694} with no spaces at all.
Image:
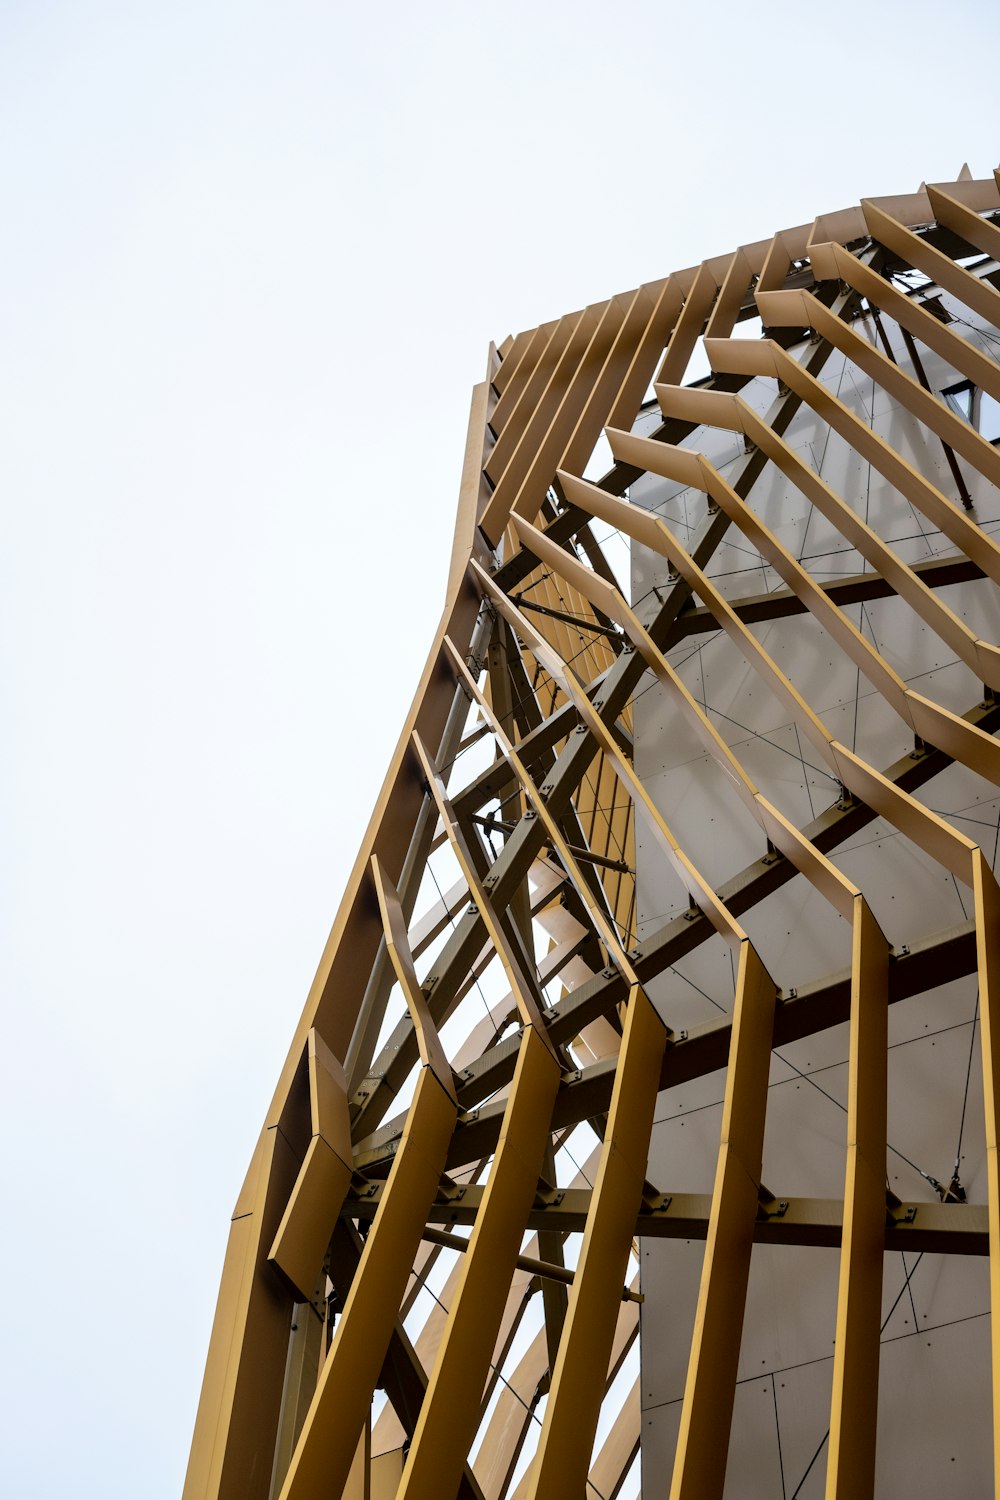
{"x":989,"y":417}
{"x":959,"y":398}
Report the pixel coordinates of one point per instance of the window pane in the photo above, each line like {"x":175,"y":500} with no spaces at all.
{"x":959,"y":398}
{"x":989,"y":417}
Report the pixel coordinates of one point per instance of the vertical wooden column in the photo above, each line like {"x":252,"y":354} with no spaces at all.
{"x":563,"y":1459}
{"x":450,"y":1411}
{"x":850,"y":1471}
{"x":706,"y":1416}
{"x":325,"y":1451}
{"x":234,"y":1437}
{"x":987,"y":901}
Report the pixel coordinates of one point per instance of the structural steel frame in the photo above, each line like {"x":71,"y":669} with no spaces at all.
{"x":345,"y":1209}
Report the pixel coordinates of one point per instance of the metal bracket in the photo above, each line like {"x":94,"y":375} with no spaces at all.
{"x":770,"y":1207}
{"x":362,"y":1188}
{"x":451,"y":1192}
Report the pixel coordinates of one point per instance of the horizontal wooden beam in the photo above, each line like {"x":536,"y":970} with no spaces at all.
{"x":946,"y":1228}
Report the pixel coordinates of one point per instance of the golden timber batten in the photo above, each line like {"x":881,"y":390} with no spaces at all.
{"x":483,"y":994}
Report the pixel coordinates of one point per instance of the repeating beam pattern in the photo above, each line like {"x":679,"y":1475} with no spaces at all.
{"x":432,"y":1283}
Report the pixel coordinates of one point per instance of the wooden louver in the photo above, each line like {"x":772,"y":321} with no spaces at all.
{"x":431,"y":1287}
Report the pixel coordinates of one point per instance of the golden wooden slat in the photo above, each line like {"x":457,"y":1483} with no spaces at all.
{"x":450,"y":1411}
{"x":710,"y":1388}
{"x":584,"y":352}
{"x":324,"y":1177}
{"x":930,"y":832}
{"x":801,"y":309}
{"x":339,"y":1398}
{"x":768,"y":358}
{"x":619,"y":366}
{"x":432,"y":1054}
{"x":239,"y":1408}
{"x":507,"y":1429}
{"x":609,"y":937}
{"x":502,"y":945}
{"x":788,"y":245}
{"x":836,"y":263}
{"x":734,"y":290}
{"x":268,"y":1428}
{"x":636,"y":315}
{"x":847,"y":635}
{"x":568,"y":418}
{"x":611,"y":1450}
{"x":850,"y":1471}
{"x":389,"y":1076}
{"x":306,"y":1348}
{"x":505,"y":1432}
{"x":647,"y":350}
{"x":978,"y":295}
{"x":699,"y":889}
{"x":987,"y":908}
{"x":688,"y":327}
{"x":562,"y":1462}
{"x":965,"y":221}
{"x":350,"y":951}
{"x":618,"y":1449}
{"x":926,"y":719}
{"x":648,"y":529}
{"x":934,"y":834}
{"x":518,"y":396}
{"x":512,"y":457}
{"x":513,"y":352}
{"x":390,"y":1431}
{"x":339,"y":1409}
{"x":803,"y":854}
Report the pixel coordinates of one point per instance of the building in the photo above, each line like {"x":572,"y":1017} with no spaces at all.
{"x":641,"y":1123}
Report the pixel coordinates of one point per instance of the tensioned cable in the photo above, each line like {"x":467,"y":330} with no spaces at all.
{"x":888,"y":1315}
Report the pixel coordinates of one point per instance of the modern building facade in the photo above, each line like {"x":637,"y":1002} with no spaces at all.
{"x":640,"y":1130}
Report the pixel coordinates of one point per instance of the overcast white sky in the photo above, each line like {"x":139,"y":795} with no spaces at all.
{"x":252,"y":257}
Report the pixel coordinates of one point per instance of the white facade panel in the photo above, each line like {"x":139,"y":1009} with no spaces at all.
{"x":934,"y":1405}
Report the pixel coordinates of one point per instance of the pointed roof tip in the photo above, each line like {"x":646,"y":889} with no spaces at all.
{"x":964,"y":174}
{"x":922,"y":188}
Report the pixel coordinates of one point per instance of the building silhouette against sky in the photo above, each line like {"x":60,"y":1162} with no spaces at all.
{"x":641,"y":1124}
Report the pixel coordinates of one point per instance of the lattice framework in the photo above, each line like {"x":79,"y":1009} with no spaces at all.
{"x":496,"y":1014}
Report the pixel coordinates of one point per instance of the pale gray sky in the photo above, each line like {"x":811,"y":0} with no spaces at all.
{"x":252,"y":258}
